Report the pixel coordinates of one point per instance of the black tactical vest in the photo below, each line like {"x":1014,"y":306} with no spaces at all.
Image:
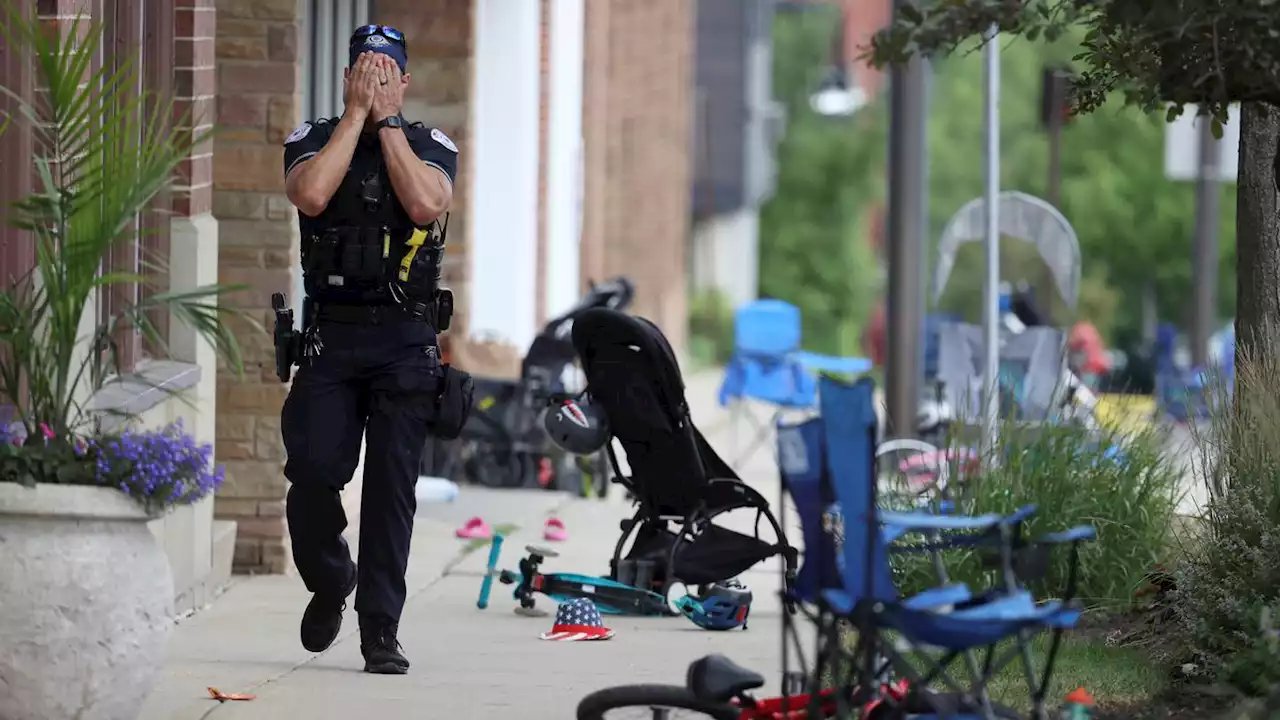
{"x":363,"y":249}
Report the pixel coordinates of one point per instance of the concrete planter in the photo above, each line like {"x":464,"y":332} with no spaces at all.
{"x":86,"y":600}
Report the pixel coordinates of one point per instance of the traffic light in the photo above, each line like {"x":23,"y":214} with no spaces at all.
{"x":1055,"y":96}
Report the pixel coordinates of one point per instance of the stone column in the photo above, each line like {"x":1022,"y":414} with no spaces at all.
{"x":258,"y":104}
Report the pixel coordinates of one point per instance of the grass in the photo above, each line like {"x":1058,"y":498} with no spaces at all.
{"x":1112,"y":675}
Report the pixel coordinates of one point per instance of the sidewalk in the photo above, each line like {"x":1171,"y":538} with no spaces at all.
{"x":466,"y":662}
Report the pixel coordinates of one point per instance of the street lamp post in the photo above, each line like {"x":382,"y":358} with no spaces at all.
{"x":991,"y":218}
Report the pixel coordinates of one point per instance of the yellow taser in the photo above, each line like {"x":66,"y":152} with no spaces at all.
{"x":414,"y":242}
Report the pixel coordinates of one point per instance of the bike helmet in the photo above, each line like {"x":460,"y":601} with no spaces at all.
{"x":722,"y":606}
{"x":577,"y":426}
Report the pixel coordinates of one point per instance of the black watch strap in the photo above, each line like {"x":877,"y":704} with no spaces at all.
{"x":395,"y":121}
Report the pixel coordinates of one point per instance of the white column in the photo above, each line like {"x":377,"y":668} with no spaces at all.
{"x":564,"y":154}
{"x":504,"y":148}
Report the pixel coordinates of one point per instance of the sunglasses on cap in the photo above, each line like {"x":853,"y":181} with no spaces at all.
{"x":385,"y":31}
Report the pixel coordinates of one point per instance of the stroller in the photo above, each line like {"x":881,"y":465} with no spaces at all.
{"x":678,"y":481}
{"x":503,"y":444}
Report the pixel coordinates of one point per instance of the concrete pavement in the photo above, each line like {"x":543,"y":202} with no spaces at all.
{"x":466,"y":662}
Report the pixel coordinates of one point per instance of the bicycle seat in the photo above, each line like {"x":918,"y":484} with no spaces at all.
{"x":716,"y":678}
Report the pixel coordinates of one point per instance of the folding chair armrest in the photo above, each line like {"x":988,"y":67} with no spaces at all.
{"x":832,"y":363}
{"x":1078,"y":533}
{"x":1020,"y":515}
{"x":732,"y":382}
{"x":914,"y":522}
{"x":935,"y":598}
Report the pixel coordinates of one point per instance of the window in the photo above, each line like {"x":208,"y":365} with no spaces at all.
{"x":15,"y":152}
{"x":326,"y":25}
{"x":131,"y":27}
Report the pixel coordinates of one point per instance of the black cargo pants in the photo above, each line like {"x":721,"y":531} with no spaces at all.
{"x":375,"y":379}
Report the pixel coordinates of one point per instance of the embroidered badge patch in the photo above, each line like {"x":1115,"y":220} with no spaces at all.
{"x":298,"y":133}
{"x":375,"y":41}
{"x":443,"y":139}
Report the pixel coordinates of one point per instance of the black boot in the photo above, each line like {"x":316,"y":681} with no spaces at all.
{"x":322,"y":620}
{"x":382,"y":652}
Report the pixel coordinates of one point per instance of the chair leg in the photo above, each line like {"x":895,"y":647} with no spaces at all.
{"x":735,"y":430}
{"x":758,"y":438}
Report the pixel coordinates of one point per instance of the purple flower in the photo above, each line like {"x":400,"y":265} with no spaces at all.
{"x":163,"y":467}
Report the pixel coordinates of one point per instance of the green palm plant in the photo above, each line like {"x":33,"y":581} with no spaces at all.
{"x":103,"y":152}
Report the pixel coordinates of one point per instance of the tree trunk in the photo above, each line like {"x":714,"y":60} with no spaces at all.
{"x":1257,"y":230}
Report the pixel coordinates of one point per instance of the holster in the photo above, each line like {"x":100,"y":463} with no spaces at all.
{"x":288,"y":341}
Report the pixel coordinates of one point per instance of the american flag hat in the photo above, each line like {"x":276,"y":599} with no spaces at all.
{"x":578,"y":619}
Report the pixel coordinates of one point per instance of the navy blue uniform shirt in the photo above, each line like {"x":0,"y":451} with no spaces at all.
{"x":431,"y":145}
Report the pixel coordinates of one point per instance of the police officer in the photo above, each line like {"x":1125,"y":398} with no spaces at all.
{"x":371,"y":191}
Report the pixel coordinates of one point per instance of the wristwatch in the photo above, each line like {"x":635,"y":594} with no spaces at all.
{"x":393,"y":121}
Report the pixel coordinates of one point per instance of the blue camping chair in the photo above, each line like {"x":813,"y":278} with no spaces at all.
{"x":827,"y":466}
{"x":768,"y":366}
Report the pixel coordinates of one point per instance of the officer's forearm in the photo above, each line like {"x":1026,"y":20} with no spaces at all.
{"x":423,"y":190}
{"x":313,"y":184}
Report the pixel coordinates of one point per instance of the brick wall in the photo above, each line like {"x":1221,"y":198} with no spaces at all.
{"x":258,"y":78}
{"x":194,"y":85}
{"x":440,"y":45}
{"x":862,"y":19}
{"x":637,"y":124}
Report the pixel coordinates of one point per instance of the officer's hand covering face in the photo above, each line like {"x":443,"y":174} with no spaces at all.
{"x":388,"y":98}
{"x":360,"y":83}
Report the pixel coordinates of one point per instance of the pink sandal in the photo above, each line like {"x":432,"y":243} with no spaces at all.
{"x":474,"y":529}
{"x":555,"y":531}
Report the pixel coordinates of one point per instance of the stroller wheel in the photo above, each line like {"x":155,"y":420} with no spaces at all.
{"x":485,"y":466}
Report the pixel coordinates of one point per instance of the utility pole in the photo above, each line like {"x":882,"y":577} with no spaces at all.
{"x":906,"y":239}
{"x":1053,"y":114}
{"x":1204,"y":265}
{"x":1055,"y":88}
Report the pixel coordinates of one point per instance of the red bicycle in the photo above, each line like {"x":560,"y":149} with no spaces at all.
{"x":718,"y":688}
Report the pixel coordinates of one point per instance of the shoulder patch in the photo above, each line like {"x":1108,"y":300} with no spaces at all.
{"x":443,"y":139}
{"x":298,"y":133}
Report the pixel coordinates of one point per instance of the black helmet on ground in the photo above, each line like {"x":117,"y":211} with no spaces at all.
{"x":577,"y":426}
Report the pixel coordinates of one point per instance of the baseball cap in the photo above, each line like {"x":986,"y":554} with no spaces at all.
{"x":379,"y":39}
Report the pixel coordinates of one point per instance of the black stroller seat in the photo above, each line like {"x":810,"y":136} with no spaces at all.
{"x":678,"y":480}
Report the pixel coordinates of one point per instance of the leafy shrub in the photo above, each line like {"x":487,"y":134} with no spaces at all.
{"x":711,"y":327}
{"x":1074,"y":477}
{"x":1232,"y":571}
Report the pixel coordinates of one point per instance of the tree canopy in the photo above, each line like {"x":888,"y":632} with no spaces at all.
{"x":1152,"y":53}
{"x":1135,"y":227}
{"x":1211,"y":52}
{"x":814,"y":233}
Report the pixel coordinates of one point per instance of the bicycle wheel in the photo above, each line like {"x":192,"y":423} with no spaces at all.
{"x":651,"y":702}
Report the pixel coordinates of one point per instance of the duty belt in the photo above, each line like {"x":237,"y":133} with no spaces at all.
{"x":371,"y":314}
